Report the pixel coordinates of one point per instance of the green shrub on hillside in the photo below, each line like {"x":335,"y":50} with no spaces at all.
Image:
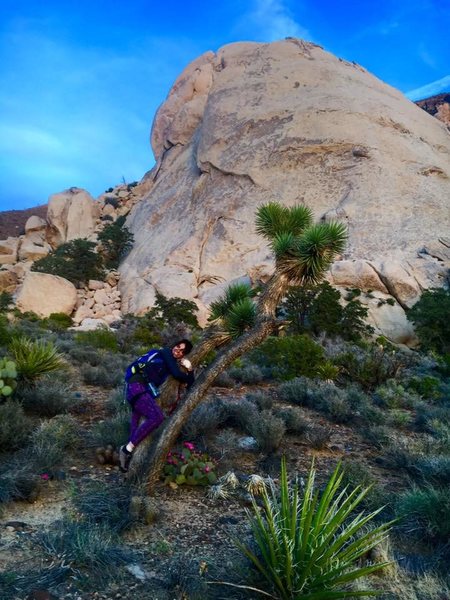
{"x":15,"y":426}
{"x":318,"y":309}
{"x":76,"y":261}
{"x":115,"y":242}
{"x":288,"y":357}
{"x":430,"y":316}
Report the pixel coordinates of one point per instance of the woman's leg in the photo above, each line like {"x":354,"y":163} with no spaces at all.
{"x":145,"y":406}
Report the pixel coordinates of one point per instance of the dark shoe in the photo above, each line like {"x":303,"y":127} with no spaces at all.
{"x":124,"y":459}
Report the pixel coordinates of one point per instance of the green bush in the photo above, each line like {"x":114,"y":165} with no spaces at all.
{"x":262,"y":398}
{"x":371,"y":365}
{"x":102,"y":339}
{"x":248,"y":374}
{"x":293,"y":418}
{"x":114,"y":430}
{"x":430,"y":318}
{"x":288,"y":357}
{"x":35,"y":358}
{"x":97,"y":505}
{"x":204,"y":419}
{"x":116,"y":241}
{"x":51,"y":441}
{"x":102,"y":376}
{"x":48,"y":397}
{"x":84,"y":546}
{"x":76,"y":261}
{"x":167,"y":312}
{"x":6,"y":300}
{"x":313,"y":545}
{"x":57,"y":322}
{"x":15,"y":426}
{"x":318,"y":309}
{"x":426,"y":512}
{"x":268,"y":431}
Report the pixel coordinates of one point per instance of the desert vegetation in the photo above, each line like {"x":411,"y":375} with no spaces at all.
{"x":315,"y":465}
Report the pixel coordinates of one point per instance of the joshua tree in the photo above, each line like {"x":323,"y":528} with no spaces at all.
{"x":239,"y":322}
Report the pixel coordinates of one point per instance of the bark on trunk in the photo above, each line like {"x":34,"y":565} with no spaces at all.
{"x":153,"y":456}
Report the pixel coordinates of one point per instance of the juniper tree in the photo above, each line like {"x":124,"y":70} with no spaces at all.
{"x":303,"y":252}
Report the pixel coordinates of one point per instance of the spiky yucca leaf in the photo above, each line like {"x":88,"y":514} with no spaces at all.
{"x":310,"y":545}
{"x":282,"y":244}
{"x":240,"y":317}
{"x":233,"y":294}
{"x":317,"y":248}
{"x":35,"y":358}
{"x":273,"y":219}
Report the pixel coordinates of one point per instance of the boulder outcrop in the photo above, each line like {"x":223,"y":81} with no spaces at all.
{"x":289,"y":122}
{"x":45,"y":294}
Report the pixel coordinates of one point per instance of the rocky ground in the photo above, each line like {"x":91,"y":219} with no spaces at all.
{"x":191,"y":533}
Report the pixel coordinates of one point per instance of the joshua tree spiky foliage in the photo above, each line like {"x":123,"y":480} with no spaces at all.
{"x":239,"y":322}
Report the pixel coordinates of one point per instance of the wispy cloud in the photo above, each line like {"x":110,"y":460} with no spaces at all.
{"x":270,"y":20}
{"x":431,"y":89}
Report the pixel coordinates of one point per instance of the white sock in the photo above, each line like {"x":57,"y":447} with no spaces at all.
{"x":130,"y":447}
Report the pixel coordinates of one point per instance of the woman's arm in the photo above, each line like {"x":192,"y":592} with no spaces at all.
{"x":174,"y":369}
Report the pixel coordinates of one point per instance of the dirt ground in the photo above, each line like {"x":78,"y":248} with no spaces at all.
{"x":191,"y":535}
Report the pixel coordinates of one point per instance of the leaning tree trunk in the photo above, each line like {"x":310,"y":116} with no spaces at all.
{"x":149,"y":461}
{"x":157,"y":452}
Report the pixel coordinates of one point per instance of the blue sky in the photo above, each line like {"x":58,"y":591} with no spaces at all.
{"x":81,"y":80}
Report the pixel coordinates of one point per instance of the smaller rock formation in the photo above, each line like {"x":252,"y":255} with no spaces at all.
{"x":45,"y":294}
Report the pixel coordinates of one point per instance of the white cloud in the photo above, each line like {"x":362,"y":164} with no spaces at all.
{"x":431,"y":89}
{"x":271,"y":20}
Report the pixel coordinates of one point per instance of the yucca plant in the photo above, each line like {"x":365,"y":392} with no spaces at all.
{"x":311,"y":545}
{"x":35,"y":358}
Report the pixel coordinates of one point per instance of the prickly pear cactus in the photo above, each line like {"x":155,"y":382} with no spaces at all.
{"x":8,"y":377}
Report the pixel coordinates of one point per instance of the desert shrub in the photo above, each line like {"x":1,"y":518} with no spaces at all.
{"x":318,"y":436}
{"x":377,"y":435}
{"x":224,"y":380}
{"x":430,"y":318}
{"x":430,"y":388}
{"x":394,"y":395}
{"x":49,"y":397}
{"x":240,"y":414}
{"x":51,"y":441}
{"x":207,"y":417}
{"x":84,"y":546}
{"x":398,"y":418}
{"x":114,"y":430}
{"x":102,"y":376}
{"x":356,"y":474}
{"x":18,"y":482}
{"x":101,"y":338}
{"x":268,"y":431}
{"x":427,"y":417}
{"x":248,"y":374}
{"x":296,"y":391}
{"x":15,"y":426}
{"x":116,"y":241}
{"x":76,"y":261}
{"x":305,"y":529}
{"x":432,"y":469}
{"x":57,"y":322}
{"x":425,"y":511}
{"x":89,"y":355}
{"x":293,"y":419}
{"x":288,"y":357}
{"x":167,"y":312}
{"x":370,"y":365}
{"x":97,"y":505}
{"x":318,"y":309}
{"x":327,"y":371}
{"x":262,"y":398}
{"x":35,"y":358}
{"x":6,"y":301}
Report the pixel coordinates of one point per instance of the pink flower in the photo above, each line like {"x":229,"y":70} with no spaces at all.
{"x":45,"y":476}
{"x":189,"y":446}
{"x":207,"y":469}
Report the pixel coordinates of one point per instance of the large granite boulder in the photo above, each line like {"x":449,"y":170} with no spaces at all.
{"x":45,"y":294}
{"x":71,"y":214}
{"x":288,"y":122}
